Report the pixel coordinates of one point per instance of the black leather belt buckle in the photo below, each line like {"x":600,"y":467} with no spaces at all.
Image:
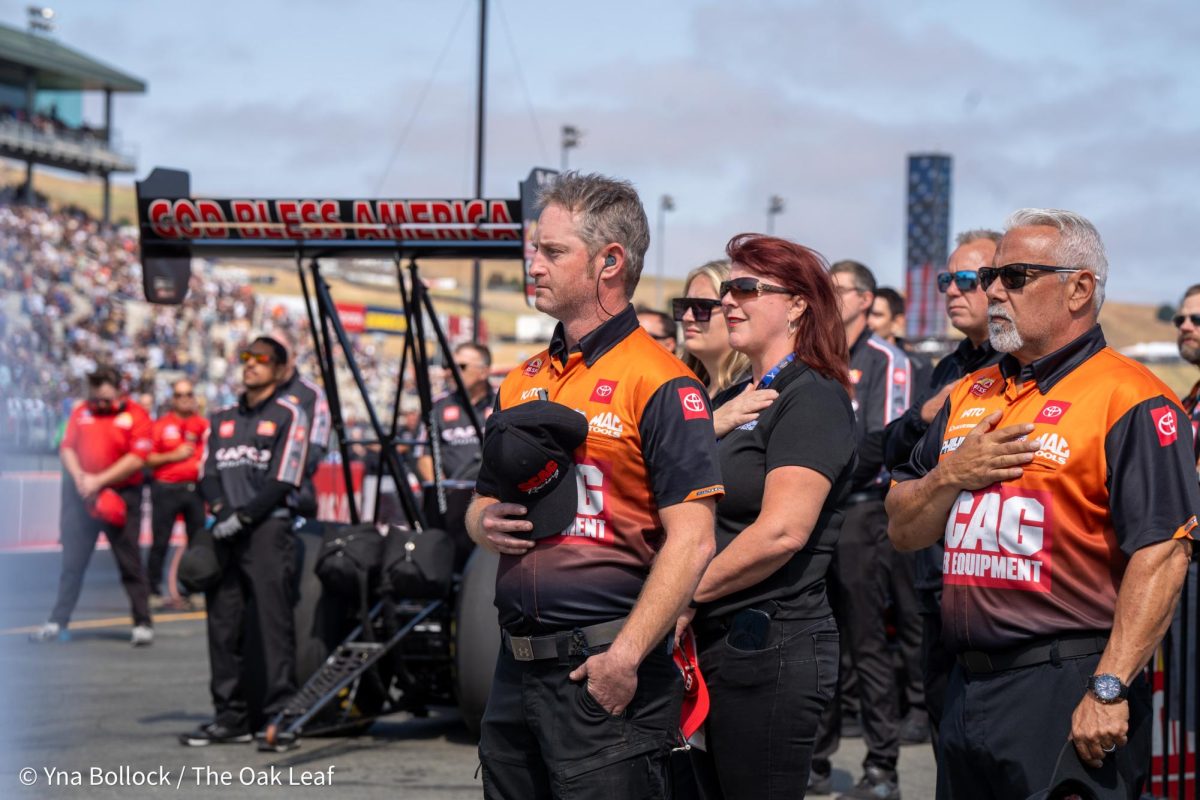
{"x":522,"y":647}
{"x":976,"y":662}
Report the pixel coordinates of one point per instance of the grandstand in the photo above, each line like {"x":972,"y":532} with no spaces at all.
{"x":42,"y":83}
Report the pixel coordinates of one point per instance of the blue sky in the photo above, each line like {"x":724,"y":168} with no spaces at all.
{"x":1082,"y":105}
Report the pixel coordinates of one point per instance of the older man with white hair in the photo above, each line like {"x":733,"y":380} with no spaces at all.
{"x":1062,"y":478}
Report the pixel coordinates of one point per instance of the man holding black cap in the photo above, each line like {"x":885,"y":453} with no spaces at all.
{"x":254,"y":460}
{"x":612,"y":529}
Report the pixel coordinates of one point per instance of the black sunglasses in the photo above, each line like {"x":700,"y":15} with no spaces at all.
{"x":965,"y":279}
{"x":702,"y":308}
{"x":1014,"y":276}
{"x":744,"y":287}
{"x":1179,"y":319}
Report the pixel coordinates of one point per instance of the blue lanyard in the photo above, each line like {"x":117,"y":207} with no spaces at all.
{"x":770,"y":376}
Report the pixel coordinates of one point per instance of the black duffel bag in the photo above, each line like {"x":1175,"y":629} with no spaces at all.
{"x":418,"y":565}
{"x":350,"y":559}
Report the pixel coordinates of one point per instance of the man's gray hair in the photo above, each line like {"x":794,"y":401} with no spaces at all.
{"x":609,"y":211}
{"x":1079,"y":242}
{"x":978,"y":235}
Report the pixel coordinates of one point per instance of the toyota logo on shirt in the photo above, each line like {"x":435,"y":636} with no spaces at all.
{"x":603,"y":393}
{"x":693,"y":404}
{"x":1052,"y":412}
{"x":1165,"y":425}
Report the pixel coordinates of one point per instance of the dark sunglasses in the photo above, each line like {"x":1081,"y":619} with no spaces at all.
{"x":1179,"y":319}
{"x":246,"y":356}
{"x":1014,"y":276}
{"x":744,"y":287}
{"x":966,"y":280}
{"x":702,"y":308}
{"x":184,"y":394}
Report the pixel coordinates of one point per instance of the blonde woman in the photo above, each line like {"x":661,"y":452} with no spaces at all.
{"x":723,"y":370}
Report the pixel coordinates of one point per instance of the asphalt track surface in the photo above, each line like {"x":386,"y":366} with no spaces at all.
{"x":95,"y":710}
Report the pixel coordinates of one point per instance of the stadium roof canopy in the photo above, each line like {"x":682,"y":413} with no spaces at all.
{"x":57,"y":67}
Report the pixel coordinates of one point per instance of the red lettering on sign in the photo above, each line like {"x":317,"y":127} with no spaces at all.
{"x":158,"y":211}
{"x":210,"y":211}
{"x":243,"y":212}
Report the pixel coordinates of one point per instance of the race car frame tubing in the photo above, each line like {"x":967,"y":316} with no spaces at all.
{"x":328,"y":378}
{"x":328,"y":311}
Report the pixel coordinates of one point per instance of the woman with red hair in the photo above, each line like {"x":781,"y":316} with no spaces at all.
{"x":767,"y":640}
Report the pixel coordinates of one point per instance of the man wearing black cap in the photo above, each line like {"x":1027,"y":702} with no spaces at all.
{"x":600,"y":504}
{"x":255,"y":455}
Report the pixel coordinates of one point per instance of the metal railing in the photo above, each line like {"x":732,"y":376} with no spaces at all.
{"x":1176,"y":701}
{"x":68,"y":146}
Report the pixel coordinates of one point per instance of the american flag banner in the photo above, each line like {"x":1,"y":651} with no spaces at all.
{"x":928,"y":231}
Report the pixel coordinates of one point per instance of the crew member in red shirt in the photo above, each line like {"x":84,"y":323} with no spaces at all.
{"x":178,"y":446}
{"x":103,"y":451}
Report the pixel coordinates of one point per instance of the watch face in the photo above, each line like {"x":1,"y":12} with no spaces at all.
{"x":1106,"y":687}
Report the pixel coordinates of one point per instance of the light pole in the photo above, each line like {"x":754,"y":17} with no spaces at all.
{"x":775,"y":206}
{"x":571,"y":137}
{"x":665,"y":203}
{"x":480,"y":130}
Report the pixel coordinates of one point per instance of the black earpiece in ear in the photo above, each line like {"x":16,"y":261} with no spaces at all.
{"x":610,"y":261}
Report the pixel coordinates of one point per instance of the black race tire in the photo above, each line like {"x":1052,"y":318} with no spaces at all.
{"x":476,"y":636}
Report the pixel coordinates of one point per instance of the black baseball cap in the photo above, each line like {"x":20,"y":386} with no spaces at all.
{"x":528,"y":456}
{"x":1072,"y":780}
{"x":200,"y":569}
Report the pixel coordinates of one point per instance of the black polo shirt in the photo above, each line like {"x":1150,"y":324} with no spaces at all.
{"x":811,"y":424}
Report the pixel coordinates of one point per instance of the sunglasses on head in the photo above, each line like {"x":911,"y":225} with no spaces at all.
{"x":744,"y":287}
{"x":965,"y":279}
{"x":1179,"y":319}
{"x":702,"y":308}
{"x":246,"y":356}
{"x":1014,"y":276}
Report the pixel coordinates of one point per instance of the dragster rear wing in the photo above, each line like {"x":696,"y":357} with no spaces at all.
{"x":175,"y":227}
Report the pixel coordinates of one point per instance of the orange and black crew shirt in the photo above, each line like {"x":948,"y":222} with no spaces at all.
{"x":650,"y":445}
{"x":171,"y":431}
{"x":101,"y":440}
{"x":1044,"y":554}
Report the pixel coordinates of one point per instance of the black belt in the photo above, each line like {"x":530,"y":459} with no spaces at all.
{"x":978,"y":662}
{"x":563,"y":644}
{"x":854,"y":498}
{"x":187,"y":486}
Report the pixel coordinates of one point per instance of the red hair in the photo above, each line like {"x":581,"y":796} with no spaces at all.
{"x":820,"y":337}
